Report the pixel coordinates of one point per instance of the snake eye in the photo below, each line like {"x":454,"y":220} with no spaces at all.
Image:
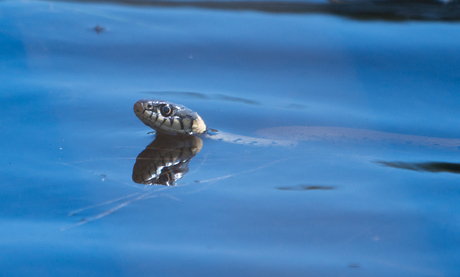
{"x":166,"y":110}
{"x":149,"y":106}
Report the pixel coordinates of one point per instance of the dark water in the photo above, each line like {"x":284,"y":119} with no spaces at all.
{"x":69,"y":142}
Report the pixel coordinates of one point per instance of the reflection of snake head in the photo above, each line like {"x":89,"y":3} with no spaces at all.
{"x":165,"y":160}
{"x":169,"y":118}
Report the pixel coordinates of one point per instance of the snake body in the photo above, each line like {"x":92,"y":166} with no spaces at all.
{"x":169,"y":118}
{"x":166,"y":159}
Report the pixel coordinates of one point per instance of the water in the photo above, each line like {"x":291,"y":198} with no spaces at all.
{"x":329,"y":208}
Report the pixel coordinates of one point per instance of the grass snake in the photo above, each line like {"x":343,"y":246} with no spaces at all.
{"x":166,"y":159}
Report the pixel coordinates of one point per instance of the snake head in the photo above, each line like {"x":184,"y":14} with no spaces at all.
{"x":169,"y":118}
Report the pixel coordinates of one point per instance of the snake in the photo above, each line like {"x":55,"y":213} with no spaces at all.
{"x":174,"y":119}
{"x":166,"y":159}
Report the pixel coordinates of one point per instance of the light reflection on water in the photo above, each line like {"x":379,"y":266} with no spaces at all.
{"x":324,"y":207}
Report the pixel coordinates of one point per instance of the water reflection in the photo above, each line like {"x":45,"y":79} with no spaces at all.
{"x":389,"y":10}
{"x":182,"y":94}
{"x":165,"y":160}
{"x":202,"y":96}
{"x":236,"y":99}
{"x":434,"y":167}
{"x":307,"y":187}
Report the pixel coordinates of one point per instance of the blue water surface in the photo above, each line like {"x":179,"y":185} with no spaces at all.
{"x":69,"y":141}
